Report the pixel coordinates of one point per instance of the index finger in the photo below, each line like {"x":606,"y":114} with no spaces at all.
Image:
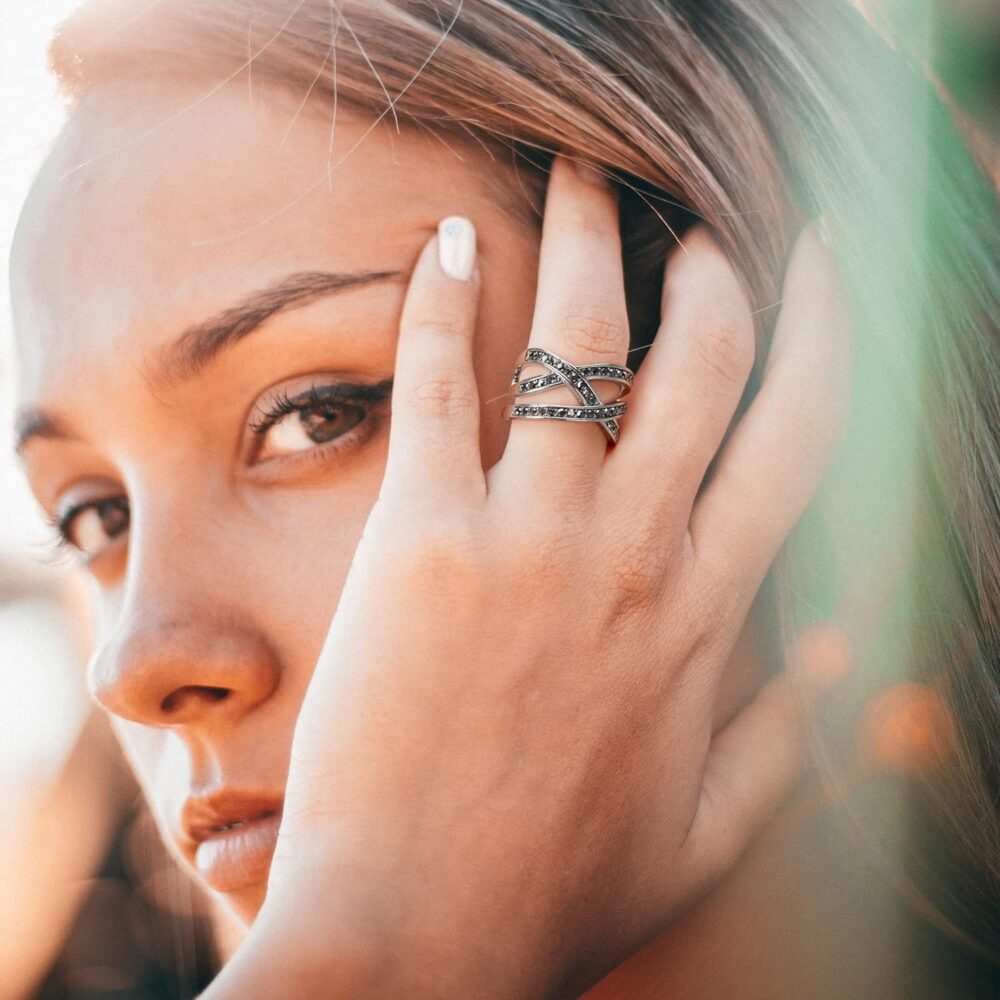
{"x":434,"y":452}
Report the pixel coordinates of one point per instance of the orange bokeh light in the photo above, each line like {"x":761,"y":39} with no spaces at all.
{"x":908,"y":727}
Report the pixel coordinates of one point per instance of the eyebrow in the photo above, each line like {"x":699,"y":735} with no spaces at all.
{"x":199,"y":345}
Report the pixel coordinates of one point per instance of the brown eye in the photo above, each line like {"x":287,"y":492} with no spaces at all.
{"x":318,"y":421}
{"x":90,"y":527}
{"x":310,"y":425}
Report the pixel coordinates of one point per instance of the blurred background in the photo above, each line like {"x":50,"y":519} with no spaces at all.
{"x":90,"y":904}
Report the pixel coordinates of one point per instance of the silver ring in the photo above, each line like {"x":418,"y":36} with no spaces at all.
{"x":579,"y":379}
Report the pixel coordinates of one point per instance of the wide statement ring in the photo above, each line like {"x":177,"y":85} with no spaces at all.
{"x":561,"y":372}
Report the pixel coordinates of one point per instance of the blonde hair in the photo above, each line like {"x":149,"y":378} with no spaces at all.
{"x":749,"y":115}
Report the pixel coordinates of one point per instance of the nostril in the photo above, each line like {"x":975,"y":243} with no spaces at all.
{"x":197,"y":692}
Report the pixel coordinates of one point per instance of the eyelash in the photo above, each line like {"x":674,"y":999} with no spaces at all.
{"x":60,"y":545}
{"x":319,"y":395}
{"x":364,"y":397}
{"x":367,"y":397}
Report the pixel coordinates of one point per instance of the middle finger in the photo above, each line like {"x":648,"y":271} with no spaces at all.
{"x":581,"y":316}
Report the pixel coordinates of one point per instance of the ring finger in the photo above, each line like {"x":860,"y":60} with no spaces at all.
{"x":691,"y":381}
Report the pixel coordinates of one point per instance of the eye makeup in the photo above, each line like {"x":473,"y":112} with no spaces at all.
{"x":76,"y":528}
{"x":317,"y":420}
{"x":306,"y":419}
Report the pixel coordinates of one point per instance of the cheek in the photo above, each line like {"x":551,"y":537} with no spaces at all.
{"x":160,"y":763}
{"x":302,"y":554}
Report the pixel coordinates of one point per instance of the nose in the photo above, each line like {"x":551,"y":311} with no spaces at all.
{"x":188,"y":671}
{"x":181,"y":641}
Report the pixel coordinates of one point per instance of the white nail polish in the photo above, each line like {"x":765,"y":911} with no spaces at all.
{"x":457,"y":247}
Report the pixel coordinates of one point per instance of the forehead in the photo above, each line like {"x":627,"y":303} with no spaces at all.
{"x":163,"y":201}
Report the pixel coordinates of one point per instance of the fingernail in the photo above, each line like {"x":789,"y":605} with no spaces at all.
{"x":457,"y":247}
{"x":590,"y":174}
{"x":824,"y":231}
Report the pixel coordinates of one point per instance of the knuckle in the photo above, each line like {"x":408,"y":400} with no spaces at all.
{"x":819,"y":426}
{"x":640,"y":571}
{"x":441,"y":326}
{"x":443,"y":394}
{"x":593,"y":220}
{"x":715,"y":598}
{"x":595,"y":331}
{"x":441,"y":552}
{"x":725,"y":349}
{"x":710,"y":595}
{"x":544,"y":555}
{"x":702,"y":262}
{"x":443,"y":323}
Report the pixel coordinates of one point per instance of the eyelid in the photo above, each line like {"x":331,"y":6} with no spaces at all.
{"x":362,"y":392}
{"x":316,"y":394}
{"x":64,"y":513}
{"x":61,"y":522}
{"x":316,"y":388}
{"x":65,"y":516}
{"x":286,"y":397}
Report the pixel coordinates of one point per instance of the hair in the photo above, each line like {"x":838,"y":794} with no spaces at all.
{"x":749,"y":116}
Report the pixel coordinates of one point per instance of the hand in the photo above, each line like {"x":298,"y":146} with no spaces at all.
{"x":504,"y":777}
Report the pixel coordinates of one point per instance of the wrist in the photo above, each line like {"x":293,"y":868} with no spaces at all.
{"x":292,"y":955}
{"x":306,"y":944}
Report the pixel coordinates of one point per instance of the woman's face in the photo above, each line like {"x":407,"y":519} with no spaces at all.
{"x":190,"y":292}
{"x":206,"y":321}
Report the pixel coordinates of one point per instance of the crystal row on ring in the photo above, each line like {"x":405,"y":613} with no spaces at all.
{"x":568,"y":374}
{"x":569,"y":412}
{"x":613,"y":372}
{"x":576,"y":378}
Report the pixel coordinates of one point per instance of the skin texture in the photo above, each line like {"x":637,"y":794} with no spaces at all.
{"x":233,"y":564}
{"x":236,"y":565}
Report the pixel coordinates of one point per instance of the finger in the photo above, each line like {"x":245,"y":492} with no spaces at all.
{"x":434,"y":451}
{"x":580,"y":315}
{"x":691,"y":381}
{"x":774,"y":460}
{"x":756,"y":761}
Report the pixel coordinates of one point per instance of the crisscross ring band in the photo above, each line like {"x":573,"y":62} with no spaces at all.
{"x":578,"y":378}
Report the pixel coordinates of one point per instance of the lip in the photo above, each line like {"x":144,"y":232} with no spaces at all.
{"x":230,"y":836}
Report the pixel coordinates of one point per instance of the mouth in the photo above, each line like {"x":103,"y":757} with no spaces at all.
{"x":230,"y":837}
